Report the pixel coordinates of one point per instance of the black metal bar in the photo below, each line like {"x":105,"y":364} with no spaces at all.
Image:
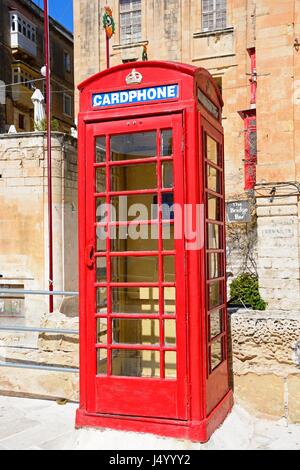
{"x":39,"y":367}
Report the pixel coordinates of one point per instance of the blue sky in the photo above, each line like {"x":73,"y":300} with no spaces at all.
{"x":61,"y":10}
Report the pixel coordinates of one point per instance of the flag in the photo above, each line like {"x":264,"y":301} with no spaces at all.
{"x":108,"y":22}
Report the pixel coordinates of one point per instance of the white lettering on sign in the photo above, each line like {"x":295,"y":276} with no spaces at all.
{"x":238,"y":211}
{"x":143,"y":95}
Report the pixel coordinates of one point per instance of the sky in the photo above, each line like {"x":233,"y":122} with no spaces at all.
{"x":60,"y":10}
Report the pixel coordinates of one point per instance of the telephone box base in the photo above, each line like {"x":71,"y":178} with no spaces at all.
{"x":194,"y":431}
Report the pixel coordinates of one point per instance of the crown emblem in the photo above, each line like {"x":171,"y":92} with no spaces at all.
{"x":134,"y":77}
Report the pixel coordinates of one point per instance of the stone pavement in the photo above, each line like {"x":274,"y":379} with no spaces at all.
{"x":43,"y":425}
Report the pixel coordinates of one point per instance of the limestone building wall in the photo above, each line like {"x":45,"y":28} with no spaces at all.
{"x":24,"y":214}
{"x":24,"y":222}
{"x":172,"y":31}
{"x":266,"y":359}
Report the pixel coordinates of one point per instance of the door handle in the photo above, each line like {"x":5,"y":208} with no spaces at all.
{"x":90,"y":256}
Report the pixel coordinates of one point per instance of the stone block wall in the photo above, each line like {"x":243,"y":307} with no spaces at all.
{"x":24,"y":213}
{"x":266,"y":362}
{"x":279,"y":253}
{"x":24,"y":252}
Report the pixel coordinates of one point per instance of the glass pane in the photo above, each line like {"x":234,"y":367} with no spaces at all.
{"x":100,"y":180}
{"x":134,"y":269}
{"x":132,"y":146}
{"x":216,"y":354}
{"x":136,"y":363}
{"x":168,"y":237}
{"x":214,"y":239}
{"x":168,"y":175}
{"x":214,"y":208}
{"x":215,"y":269}
{"x":101,"y":361}
{"x":135,"y":300}
{"x":170,"y":332}
{"x":216,"y":327}
{"x":137,"y":207}
{"x":101,"y":239}
{"x":170,"y":365}
{"x":101,"y":269}
{"x":212,"y":150}
{"x":100,"y":149}
{"x":170,"y":300}
{"x":133,"y":177}
{"x":101,"y":331}
{"x":169,"y":268}
{"x":101,"y":210}
{"x":167,"y":143}
{"x":214,"y":179}
{"x":136,"y":331}
{"x":216,"y":294}
{"x":168,"y":206}
{"x":101,"y":300}
{"x":134,"y":238}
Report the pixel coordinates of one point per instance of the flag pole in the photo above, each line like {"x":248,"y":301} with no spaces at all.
{"x":107,"y":53}
{"x":49,"y":155}
{"x":109,"y":26}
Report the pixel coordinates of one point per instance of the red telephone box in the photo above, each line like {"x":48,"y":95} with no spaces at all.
{"x":153,"y":320}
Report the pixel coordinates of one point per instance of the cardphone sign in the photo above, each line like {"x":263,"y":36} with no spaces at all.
{"x":141,"y":95}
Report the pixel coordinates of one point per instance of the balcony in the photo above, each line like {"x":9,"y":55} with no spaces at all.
{"x":18,"y":41}
{"x":22,"y":90}
{"x":21,"y":95}
{"x":22,"y":34}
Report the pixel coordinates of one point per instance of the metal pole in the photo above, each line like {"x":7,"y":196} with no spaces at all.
{"x":49,"y":157}
{"x":22,"y":292}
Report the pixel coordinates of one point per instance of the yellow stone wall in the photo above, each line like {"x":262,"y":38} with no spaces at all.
{"x":172,"y":31}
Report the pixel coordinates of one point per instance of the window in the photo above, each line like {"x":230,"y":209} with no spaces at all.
{"x":22,"y":26}
{"x":67,"y":106}
{"x":21,"y":76}
{"x":219,"y":84}
{"x":215,"y":251}
{"x":130,"y":21}
{"x":67,"y":61}
{"x":21,"y":121}
{"x":213,"y":15}
{"x":13,"y":23}
{"x":12,"y":305}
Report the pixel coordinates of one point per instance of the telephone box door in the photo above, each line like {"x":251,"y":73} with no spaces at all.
{"x":135,"y":268}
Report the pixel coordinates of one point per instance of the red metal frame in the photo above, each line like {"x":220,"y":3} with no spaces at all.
{"x":195,"y":403}
{"x":175,"y":392}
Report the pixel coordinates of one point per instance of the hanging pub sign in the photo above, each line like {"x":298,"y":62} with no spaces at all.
{"x":238,"y":212}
